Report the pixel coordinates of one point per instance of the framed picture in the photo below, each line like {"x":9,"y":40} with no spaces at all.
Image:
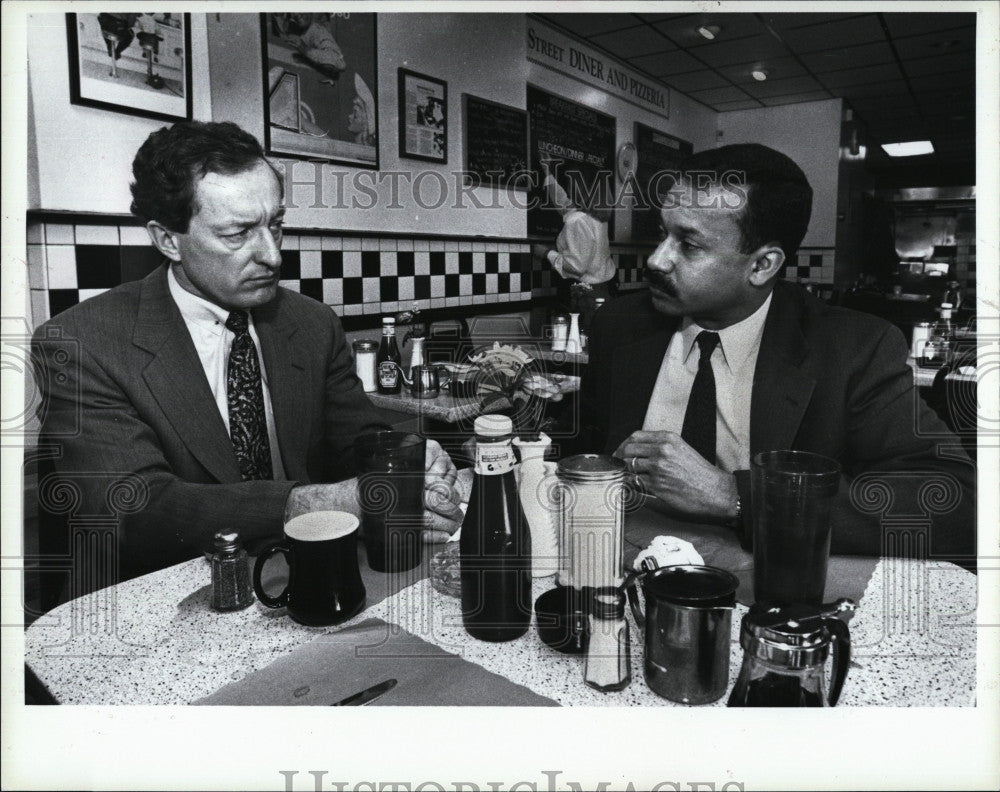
{"x":320,"y":86}
{"x":138,"y":64}
{"x":423,"y":117}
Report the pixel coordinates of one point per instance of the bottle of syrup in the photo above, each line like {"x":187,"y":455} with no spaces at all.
{"x":388,"y":359}
{"x":495,"y":545}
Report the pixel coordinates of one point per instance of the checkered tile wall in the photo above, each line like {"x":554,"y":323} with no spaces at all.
{"x":69,"y":262}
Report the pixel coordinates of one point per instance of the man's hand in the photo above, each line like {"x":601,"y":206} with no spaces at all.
{"x":540,"y":251}
{"x":674,"y":472}
{"x":443,"y":491}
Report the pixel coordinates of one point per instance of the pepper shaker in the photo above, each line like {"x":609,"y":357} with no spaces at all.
{"x":608,"y":666}
{"x":231,"y":589}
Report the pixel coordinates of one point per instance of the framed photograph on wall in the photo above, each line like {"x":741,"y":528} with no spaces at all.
{"x":320,"y":86}
{"x":423,"y":117}
{"x":138,"y":64}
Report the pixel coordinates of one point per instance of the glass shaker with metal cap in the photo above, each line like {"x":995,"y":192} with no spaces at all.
{"x":591,"y":520}
{"x":784,"y":653}
{"x":231,"y":589}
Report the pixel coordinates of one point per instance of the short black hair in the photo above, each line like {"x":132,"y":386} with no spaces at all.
{"x":169,"y":164}
{"x":778,"y":196}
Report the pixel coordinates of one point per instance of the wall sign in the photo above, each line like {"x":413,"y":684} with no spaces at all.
{"x":656,"y":152}
{"x":579,"y":142}
{"x":555,"y":50}
{"x":496,"y":143}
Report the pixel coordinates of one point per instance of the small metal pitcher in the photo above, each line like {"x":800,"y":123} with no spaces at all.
{"x":423,"y":382}
{"x":688,"y":620}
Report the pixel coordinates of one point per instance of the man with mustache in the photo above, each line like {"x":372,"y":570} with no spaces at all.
{"x":786,"y":370}
{"x":203,"y":397}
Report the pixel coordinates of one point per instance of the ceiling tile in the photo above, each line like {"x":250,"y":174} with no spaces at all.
{"x":782,"y":22}
{"x":811,"y":96}
{"x":633,"y":42}
{"x":848,"y":77}
{"x":684,"y":30}
{"x":592,"y":24}
{"x":777,"y":68}
{"x":660,"y":17}
{"x":911,"y":24}
{"x":846,"y":32}
{"x":874,"y":88}
{"x":747,"y":104}
{"x":931,"y":44}
{"x":697,"y":81}
{"x":792,"y":85}
{"x":754,"y":48}
{"x":918,"y":67}
{"x":713,"y":95}
{"x":940,"y":82}
{"x":884,"y":107}
{"x":848,"y":57}
{"x":668,"y":63}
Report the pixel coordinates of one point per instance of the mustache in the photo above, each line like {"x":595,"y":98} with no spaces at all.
{"x":660,"y":281}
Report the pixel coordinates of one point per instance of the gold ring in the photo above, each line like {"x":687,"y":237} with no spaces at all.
{"x":636,"y":483}
{"x":632,"y":465}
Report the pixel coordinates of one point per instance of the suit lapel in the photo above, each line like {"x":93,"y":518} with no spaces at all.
{"x":637,"y":365}
{"x":288,"y":381}
{"x":176,"y":379}
{"x":781,"y":390}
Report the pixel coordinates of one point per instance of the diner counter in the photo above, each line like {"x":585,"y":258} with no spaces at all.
{"x":155,"y":640}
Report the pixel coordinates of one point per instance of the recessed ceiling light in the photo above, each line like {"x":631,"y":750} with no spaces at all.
{"x":759,"y":74}
{"x":709,"y":31}
{"x":909,"y":148}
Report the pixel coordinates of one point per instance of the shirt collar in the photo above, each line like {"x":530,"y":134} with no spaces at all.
{"x":736,"y":341}
{"x":195,"y":309}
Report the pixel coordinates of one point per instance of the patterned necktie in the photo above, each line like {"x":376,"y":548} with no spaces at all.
{"x":699,"y":419}
{"x":245,"y":394}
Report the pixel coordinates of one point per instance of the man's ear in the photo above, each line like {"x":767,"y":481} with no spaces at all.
{"x":164,"y":239}
{"x":767,"y":263}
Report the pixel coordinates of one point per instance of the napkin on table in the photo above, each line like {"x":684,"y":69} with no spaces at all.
{"x":669,"y":551}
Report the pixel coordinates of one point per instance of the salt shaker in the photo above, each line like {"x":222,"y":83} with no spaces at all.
{"x":231,"y":588}
{"x":560,"y":332}
{"x":364,"y":364}
{"x":608,"y":665}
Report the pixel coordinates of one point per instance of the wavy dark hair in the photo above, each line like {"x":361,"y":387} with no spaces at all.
{"x":173,"y":159}
{"x":778,"y":201}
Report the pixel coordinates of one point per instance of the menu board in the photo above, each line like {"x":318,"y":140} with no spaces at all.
{"x":655,"y":152}
{"x":581,"y":140}
{"x":496,"y":143}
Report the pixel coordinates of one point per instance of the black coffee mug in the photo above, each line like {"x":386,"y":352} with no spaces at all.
{"x":561,"y":616}
{"x":324,"y":581}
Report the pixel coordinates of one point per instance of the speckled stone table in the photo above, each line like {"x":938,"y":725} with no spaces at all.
{"x":154,"y":640}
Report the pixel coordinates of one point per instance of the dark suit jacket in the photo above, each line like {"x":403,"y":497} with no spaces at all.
{"x":828,"y":380}
{"x":134,"y":433}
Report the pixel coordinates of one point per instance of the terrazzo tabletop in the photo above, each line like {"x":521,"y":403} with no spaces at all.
{"x":155,"y":640}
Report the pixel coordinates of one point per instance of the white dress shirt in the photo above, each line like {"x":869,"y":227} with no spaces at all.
{"x":733,"y":362}
{"x":206,"y":322}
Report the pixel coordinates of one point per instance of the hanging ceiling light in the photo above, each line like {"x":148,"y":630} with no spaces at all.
{"x":709,"y":31}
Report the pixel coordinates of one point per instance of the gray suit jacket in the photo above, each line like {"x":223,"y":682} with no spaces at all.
{"x":135,"y":438}
{"x":828,"y":380}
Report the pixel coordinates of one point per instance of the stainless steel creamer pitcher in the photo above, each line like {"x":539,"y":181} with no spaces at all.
{"x":784,"y":653}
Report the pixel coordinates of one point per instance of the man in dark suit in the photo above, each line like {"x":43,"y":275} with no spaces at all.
{"x":203,"y":397}
{"x":777,"y":368}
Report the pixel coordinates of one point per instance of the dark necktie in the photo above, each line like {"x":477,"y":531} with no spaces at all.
{"x":245,"y":394}
{"x":699,"y":419}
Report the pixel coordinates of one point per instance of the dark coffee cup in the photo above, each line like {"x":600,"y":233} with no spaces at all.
{"x":324,"y":581}
{"x":561,"y":619}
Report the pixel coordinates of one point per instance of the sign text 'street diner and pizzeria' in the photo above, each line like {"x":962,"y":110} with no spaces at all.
{"x":549,"y":47}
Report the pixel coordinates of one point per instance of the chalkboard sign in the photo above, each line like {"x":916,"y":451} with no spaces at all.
{"x":581,"y":140}
{"x":655,"y":152}
{"x":496,"y":144}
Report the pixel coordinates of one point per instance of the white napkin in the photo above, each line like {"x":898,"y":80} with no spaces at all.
{"x":669,"y":551}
